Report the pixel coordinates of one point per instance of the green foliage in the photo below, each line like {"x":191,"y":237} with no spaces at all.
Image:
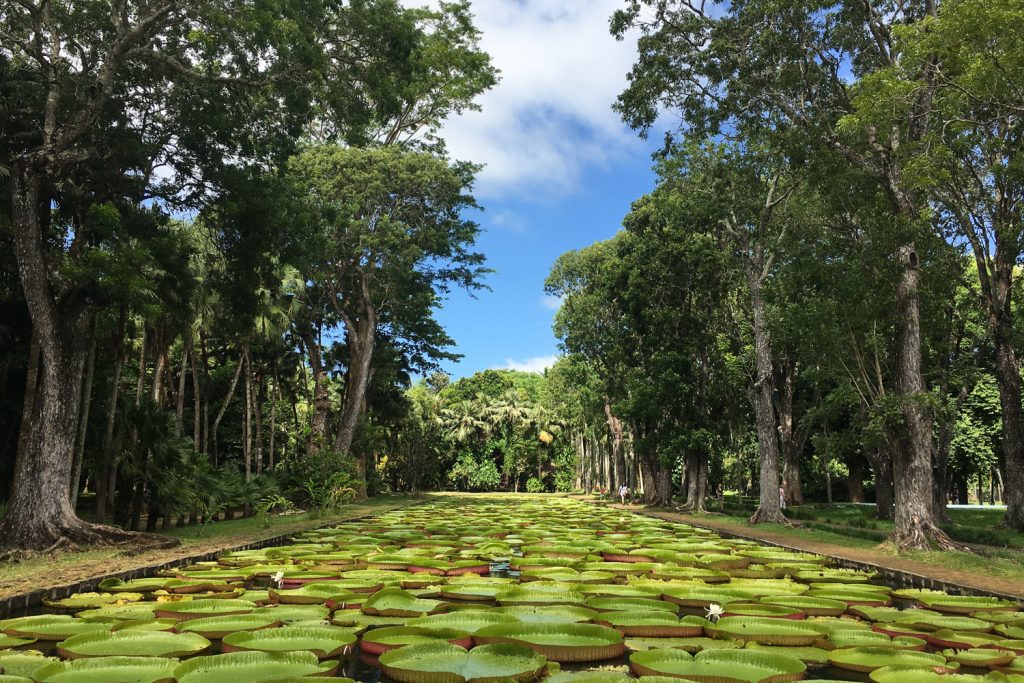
{"x":322,"y":480}
{"x":467,"y":474}
{"x":535,"y":485}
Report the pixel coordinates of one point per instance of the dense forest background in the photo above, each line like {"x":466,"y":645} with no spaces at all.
{"x":227,"y":228}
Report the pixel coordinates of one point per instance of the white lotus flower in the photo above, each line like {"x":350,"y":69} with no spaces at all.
{"x":714,"y":612}
{"x":278,"y":577}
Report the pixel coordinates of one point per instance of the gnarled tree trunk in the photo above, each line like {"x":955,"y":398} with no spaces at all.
{"x":39,"y":514}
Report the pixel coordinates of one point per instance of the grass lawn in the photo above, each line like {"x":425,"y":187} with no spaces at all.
{"x":853,"y":526}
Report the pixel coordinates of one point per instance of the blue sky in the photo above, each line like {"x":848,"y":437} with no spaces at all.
{"x":561,"y":169}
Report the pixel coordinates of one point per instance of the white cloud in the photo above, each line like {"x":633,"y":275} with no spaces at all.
{"x":550,"y":117}
{"x":536,"y":364}
{"x":552,"y":303}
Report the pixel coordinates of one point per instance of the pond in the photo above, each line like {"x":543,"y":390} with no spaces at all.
{"x":514,"y":589}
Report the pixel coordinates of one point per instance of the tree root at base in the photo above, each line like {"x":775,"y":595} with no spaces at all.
{"x":762,"y":516}
{"x":924,"y":536}
{"x":73,"y":534}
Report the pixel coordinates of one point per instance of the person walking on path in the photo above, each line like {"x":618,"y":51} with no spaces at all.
{"x":782,"y":495}
{"x":623,"y":491}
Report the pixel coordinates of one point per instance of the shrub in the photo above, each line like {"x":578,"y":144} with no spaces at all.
{"x":535,"y":485}
{"x":322,"y":480}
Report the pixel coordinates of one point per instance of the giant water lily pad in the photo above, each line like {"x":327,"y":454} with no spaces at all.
{"x":631,"y":604}
{"x":979,"y":657}
{"x":134,"y":644}
{"x":381,"y":640}
{"x":555,"y":614}
{"x":395,"y":602}
{"x":870,"y":658}
{"x":310,"y":594}
{"x":912,"y":674}
{"x":768,"y":631}
{"x":654,"y":624}
{"x":691,"y":645}
{"x":216,"y":628}
{"x":251,"y":667}
{"x":446,"y":663}
{"x":50,"y":627}
{"x":718,"y":666}
{"x":558,"y":642}
{"x":807,"y":604}
{"x":196,"y":609}
{"x":323,"y":641}
{"x":23,"y":663}
{"x":469,"y":621}
{"x":108,"y":670}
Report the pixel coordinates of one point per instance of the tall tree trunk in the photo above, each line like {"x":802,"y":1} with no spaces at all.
{"x":257,"y":399}
{"x":275,"y":396}
{"x":940,"y":474}
{"x":616,"y":442}
{"x":884,"y":493}
{"x":915,"y":527}
{"x":855,"y":481}
{"x":362,"y":337}
{"x":179,"y":397}
{"x":247,"y":416}
{"x":224,"y":406}
{"x":696,"y":464}
{"x":39,"y":515}
{"x":106,"y":477}
{"x":1008,"y":380}
{"x":197,"y":405}
{"x":30,"y":402}
{"x":321,"y":397}
{"x":83,"y":420}
{"x":768,"y":509}
{"x":789,"y":440}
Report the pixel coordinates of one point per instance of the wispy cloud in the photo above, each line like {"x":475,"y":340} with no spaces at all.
{"x":550,"y":117}
{"x":552,"y":303}
{"x":536,"y":364}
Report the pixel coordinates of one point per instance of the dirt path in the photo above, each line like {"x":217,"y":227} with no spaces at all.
{"x":61,"y":569}
{"x":873,"y":556}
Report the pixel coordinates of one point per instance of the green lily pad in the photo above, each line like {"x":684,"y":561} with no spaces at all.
{"x":808,"y":654}
{"x":380,"y":640}
{"x":630,"y":605}
{"x":691,"y":645}
{"x":251,"y":667}
{"x":870,"y":658}
{"x":133,"y":644}
{"x":23,"y":663}
{"x":914,"y":674}
{"x":654,"y":624}
{"x":395,"y":602}
{"x":979,"y":657}
{"x":108,"y":670}
{"x":211,"y":607}
{"x":216,"y":628}
{"x":558,"y":642}
{"x":554,"y":614}
{"x":719,"y":666}
{"x":807,"y":604}
{"x":768,"y":631}
{"x":323,"y":641}
{"x":589,"y":677}
{"x":50,"y":626}
{"x":469,"y":621}
{"x":446,"y":663}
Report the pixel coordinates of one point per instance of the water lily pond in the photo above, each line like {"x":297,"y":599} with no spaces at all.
{"x":485,"y":590}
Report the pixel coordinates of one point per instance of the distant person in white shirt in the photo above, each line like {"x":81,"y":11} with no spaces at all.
{"x":623,"y":491}
{"x":782,"y":495}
